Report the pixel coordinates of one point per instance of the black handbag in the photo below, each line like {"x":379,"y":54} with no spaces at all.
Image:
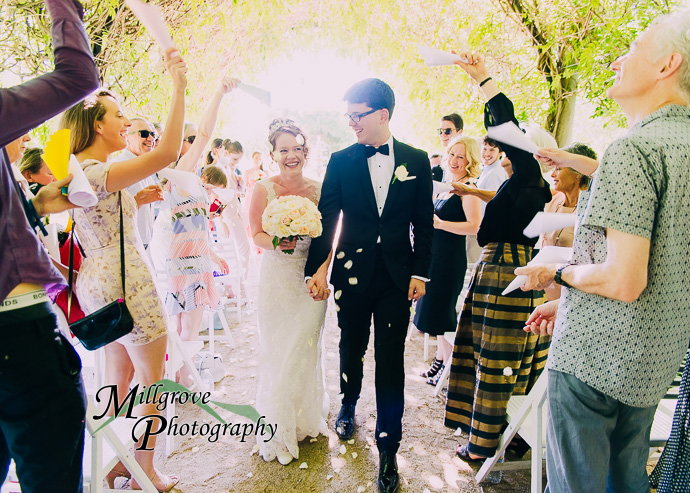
{"x":110,"y":322}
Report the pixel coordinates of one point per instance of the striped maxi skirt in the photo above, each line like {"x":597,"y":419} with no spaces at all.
{"x":493,"y":357}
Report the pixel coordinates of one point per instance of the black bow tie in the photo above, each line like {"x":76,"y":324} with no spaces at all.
{"x":371,"y":150}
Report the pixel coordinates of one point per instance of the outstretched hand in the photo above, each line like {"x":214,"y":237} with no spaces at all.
{"x":564,"y":159}
{"x":49,"y":199}
{"x":542,"y":319}
{"x":177,"y":67}
{"x":473,"y":64}
{"x":228,"y":84}
{"x":461,"y":189}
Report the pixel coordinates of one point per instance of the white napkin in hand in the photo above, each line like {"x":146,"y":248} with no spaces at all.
{"x":151,"y":17}
{"x":186,"y":180}
{"x":79,"y":191}
{"x":547,"y":255}
{"x":434,"y":58}
{"x":261,"y":94}
{"x":510,"y":134}
{"x":545,"y":222}
{"x":441,"y":187}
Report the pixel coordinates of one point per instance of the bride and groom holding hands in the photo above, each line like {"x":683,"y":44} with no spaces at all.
{"x":383,"y":189}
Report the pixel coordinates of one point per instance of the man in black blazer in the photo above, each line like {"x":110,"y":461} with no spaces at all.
{"x":383,"y":189}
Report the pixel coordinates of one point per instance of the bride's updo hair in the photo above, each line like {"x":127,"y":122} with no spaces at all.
{"x":286,"y":126}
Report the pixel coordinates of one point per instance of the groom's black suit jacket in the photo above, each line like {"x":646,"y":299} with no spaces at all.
{"x":347,"y":187}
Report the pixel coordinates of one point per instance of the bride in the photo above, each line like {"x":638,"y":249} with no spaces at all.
{"x":291,"y":381}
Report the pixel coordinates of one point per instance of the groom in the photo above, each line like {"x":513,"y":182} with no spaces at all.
{"x":383,"y":189}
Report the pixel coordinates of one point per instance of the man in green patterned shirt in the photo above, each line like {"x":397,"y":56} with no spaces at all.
{"x":620,"y":329}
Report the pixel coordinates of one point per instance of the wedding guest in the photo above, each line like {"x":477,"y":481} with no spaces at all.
{"x":454,"y":218}
{"x":190,"y":131}
{"x":451,"y":127}
{"x":436,"y":168}
{"x":191,"y":286}
{"x":493,"y":173}
{"x":234,"y":151}
{"x":98,"y":130}
{"x":217,"y":151}
{"x":568,"y":183}
{"x":255,"y":173}
{"x":35,"y":169}
{"x":620,"y":329}
{"x":491,"y":360}
{"x":42,"y":406}
{"x":15,"y":151}
{"x":141,"y":139}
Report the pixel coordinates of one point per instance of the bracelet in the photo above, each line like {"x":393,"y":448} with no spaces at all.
{"x":484,"y":81}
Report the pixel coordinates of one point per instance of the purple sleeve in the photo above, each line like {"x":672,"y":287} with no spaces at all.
{"x":28,"y":105}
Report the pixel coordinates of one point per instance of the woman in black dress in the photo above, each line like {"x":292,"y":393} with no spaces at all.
{"x":455,"y":217}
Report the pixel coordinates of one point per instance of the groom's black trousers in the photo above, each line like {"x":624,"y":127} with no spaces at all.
{"x":391,"y":311}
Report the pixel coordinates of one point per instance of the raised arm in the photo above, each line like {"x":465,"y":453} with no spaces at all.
{"x":208,"y":123}
{"x":499,"y":109}
{"x":125,"y":173}
{"x":564,"y":159}
{"x":26,"y":106}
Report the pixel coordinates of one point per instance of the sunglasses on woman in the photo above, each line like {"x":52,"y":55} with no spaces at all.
{"x":190,"y":139}
{"x":445,"y":131}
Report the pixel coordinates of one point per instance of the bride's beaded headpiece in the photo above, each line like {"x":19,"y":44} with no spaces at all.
{"x":286,"y":125}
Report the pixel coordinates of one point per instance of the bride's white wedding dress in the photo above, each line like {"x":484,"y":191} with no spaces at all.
{"x":291,"y":390}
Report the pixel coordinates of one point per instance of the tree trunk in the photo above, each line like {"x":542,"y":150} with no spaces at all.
{"x":563,"y":96}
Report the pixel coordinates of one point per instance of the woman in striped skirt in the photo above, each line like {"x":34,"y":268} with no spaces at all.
{"x":493,"y":357}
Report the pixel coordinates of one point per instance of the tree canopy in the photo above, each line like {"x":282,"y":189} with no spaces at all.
{"x":542,"y":53}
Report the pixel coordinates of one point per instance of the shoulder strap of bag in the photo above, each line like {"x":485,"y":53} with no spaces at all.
{"x":71,"y":259}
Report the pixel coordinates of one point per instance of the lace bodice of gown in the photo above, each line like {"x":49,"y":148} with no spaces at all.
{"x":302,"y":248}
{"x":291,"y":391}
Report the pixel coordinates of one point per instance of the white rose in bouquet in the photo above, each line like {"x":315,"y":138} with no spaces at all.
{"x":291,"y":217}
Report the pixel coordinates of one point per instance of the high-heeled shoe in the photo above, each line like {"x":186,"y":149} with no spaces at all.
{"x":116,"y":472}
{"x":433,"y":369}
{"x":170,"y":482}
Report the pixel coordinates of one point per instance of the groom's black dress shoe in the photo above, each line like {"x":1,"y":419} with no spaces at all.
{"x":345,"y":424}
{"x":388,"y":481}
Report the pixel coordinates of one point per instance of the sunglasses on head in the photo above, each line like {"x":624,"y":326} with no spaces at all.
{"x":145,"y":134}
{"x":190,"y":139}
{"x":446,"y":131}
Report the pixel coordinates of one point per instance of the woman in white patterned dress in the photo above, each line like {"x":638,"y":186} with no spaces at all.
{"x":291,"y":391}
{"x":98,"y":129}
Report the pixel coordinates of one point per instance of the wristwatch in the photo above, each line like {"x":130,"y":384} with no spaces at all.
{"x":558,"y":279}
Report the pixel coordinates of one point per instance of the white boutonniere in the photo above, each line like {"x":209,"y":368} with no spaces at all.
{"x":401,"y":174}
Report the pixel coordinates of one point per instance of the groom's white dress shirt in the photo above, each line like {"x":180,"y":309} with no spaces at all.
{"x":381,"y":173}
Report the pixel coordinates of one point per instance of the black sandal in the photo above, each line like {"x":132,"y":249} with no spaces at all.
{"x":433,"y":369}
{"x":463,"y":452}
{"x":435,"y":379}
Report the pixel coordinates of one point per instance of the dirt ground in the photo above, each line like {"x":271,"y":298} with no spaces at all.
{"x":426,"y":459}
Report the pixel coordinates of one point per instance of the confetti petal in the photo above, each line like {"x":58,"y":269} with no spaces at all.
{"x":303,"y":465}
{"x":338,"y":294}
{"x":360,"y":489}
{"x":340,"y":255}
{"x":383,"y":434}
{"x":345,"y":377}
{"x":195,"y":449}
{"x":359,"y":250}
{"x":255,"y":449}
{"x":354,"y":455}
{"x":351,"y":442}
{"x":313,"y":440}
{"x":369,"y":484}
{"x":329,"y":477}
{"x":342,"y":449}
{"x":508,"y":371}
{"x":352,"y":281}
{"x":250,"y":474}
{"x":348,"y":264}
{"x":457,"y":433}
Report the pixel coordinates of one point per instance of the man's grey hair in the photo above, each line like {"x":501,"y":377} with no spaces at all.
{"x":675,"y":38}
{"x":140,"y":119}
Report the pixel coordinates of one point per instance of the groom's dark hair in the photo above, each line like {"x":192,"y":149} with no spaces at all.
{"x":374,"y":93}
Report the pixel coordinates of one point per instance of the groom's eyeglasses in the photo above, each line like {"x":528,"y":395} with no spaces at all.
{"x":445,"y":131}
{"x":145,"y":134}
{"x":356,"y":117}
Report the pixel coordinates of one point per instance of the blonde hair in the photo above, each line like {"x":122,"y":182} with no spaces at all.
{"x":286,"y":126}
{"x":215,"y":176}
{"x":81,"y":120}
{"x":472,"y":154}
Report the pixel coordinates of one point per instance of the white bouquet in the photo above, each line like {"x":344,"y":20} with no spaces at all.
{"x":291,"y":216}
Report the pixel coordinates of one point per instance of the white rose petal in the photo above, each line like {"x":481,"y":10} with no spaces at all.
{"x":340,"y":255}
{"x":369,"y":484}
{"x":351,"y":442}
{"x":348,"y":264}
{"x":360,"y":489}
{"x":337,"y":471}
{"x":339,"y":429}
{"x":366,"y":446}
{"x":426,"y":490}
{"x":329,"y":477}
{"x":342,"y":449}
{"x":383,"y":434}
{"x":313,"y":440}
{"x":195,"y":449}
{"x":345,"y":377}
{"x":255,"y":449}
{"x":338,"y":294}
{"x":337,"y":307}
{"x":354,"y":455}
{"x":250,"y":474}
{"x":303,"y":465}
{"x":352,"y":281}
{"x":359,"y":250}
{"x":508,"y":371}
{"x":457,"y":433}
{"x":300,"y":139}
